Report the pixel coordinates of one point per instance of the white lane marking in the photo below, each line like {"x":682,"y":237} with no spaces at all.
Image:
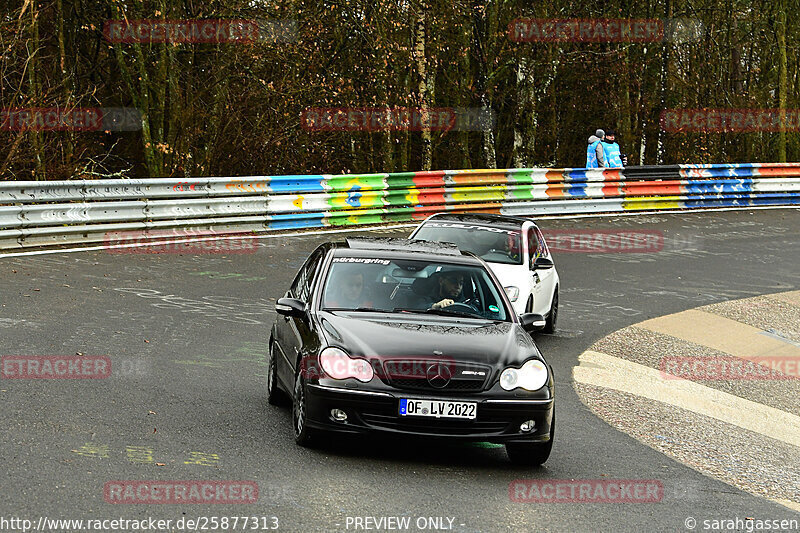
{"x":788,"y":503}
{"x":775,"y":334}
{"x":603,"y":370}
{"x":413,"y":225}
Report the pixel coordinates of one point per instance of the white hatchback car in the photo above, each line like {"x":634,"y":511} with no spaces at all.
{"x":515,"y":250}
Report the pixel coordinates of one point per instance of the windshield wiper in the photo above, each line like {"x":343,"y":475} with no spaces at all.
{"x":442,"y":312}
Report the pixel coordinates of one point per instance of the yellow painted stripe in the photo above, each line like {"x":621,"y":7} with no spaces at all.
{"x":603,"y":370}
{"x":720,"y":333}
{"x":652,"y":202}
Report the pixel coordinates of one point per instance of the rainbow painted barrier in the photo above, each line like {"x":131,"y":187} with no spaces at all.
{"x":85,"y":211}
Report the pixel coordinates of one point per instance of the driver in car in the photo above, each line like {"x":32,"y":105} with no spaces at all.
{"x":448,"y":290}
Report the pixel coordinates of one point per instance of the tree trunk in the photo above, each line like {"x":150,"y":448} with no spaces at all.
{"x":422,"y":87}
{"x":783,"y":82}
{"x":66,"y":80}
{"x":663,"y":86}
{"x":35,"y":92}
{"x":478,"y":32}
{"x":525,"y":119}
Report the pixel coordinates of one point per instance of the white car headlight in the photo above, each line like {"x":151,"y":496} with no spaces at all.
{"x":512,"y":292}
{"x":338,"y":365}
{"x":532,"y":376}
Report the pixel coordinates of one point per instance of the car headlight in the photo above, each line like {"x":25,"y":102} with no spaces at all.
{"x":338,"y":365}
{"x":532,"y":376}
{"x":512,"y":292}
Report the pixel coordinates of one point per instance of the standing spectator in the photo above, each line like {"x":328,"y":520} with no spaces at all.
{"x":594,"y":152}
{"x":611,"y":153}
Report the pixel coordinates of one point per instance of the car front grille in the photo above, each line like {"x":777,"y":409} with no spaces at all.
{"x":411,"y":375}
{"x":461,"y":385}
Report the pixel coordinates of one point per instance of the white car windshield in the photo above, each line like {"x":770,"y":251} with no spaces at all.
{"x":412,"y":286}
{"x":496,"y":245}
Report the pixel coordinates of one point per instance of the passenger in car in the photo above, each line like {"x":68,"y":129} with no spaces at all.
{"x":347,"y":292}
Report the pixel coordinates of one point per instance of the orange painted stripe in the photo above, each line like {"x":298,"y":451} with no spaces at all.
{"x":478,"y":179}
{"x":612,"y":190}
{"x":776,"y":171}
{"x":613,"y":174}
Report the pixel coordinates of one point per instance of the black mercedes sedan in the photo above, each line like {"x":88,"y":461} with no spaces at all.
{"x":405,"y":337}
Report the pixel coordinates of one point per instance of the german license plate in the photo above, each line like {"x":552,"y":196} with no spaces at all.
{"x":438,"y":408}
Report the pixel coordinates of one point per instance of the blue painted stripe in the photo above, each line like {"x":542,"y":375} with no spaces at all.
{"x":296,"y":220}
{"x":575,"y":174}
{"x":723,"y":173}
{"x":719,"y":187}
{"x":737,"y":200}
{"x":577,"y":190}
{"x":285,"y":184}
{"x":734,"y":202}
{"x":761,"y":200}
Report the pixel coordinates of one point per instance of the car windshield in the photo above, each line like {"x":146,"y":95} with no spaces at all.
{"x":412,"y":286}
{"x":496,"y":245}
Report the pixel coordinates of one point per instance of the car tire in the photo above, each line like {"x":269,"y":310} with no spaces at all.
{"x":532,"y":453}
{"x":552,"y":317}
{"x":303,"y":435}
{"x":275,"y":396}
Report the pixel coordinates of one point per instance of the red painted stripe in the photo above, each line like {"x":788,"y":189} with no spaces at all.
{"x":431,"y":196}
{"x":434,"y":178}
{"x":614,"y":189}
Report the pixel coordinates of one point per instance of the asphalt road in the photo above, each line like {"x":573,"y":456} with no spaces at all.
{"x":187,"y":337}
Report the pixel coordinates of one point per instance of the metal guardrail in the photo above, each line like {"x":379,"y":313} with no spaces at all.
{"x":68,"y":212}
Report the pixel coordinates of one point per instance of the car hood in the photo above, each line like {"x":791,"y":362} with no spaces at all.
{"x":509,"y":274}
{"x":397,"y":336}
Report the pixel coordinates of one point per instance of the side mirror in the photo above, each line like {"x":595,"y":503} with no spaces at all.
{"x":532,"y":322}
{"x":542,"y":263}
{"x":290,"y":307}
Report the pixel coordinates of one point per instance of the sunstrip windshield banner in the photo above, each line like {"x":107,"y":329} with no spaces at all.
{"x":362,"y":260}
{"x":470,"y":226}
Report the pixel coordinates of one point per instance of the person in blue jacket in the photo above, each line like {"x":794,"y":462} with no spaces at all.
{"x":613,"y":157}
{"x":594,"y":152}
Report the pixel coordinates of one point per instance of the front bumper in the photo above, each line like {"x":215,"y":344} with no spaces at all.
{"x":497,"y":419}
